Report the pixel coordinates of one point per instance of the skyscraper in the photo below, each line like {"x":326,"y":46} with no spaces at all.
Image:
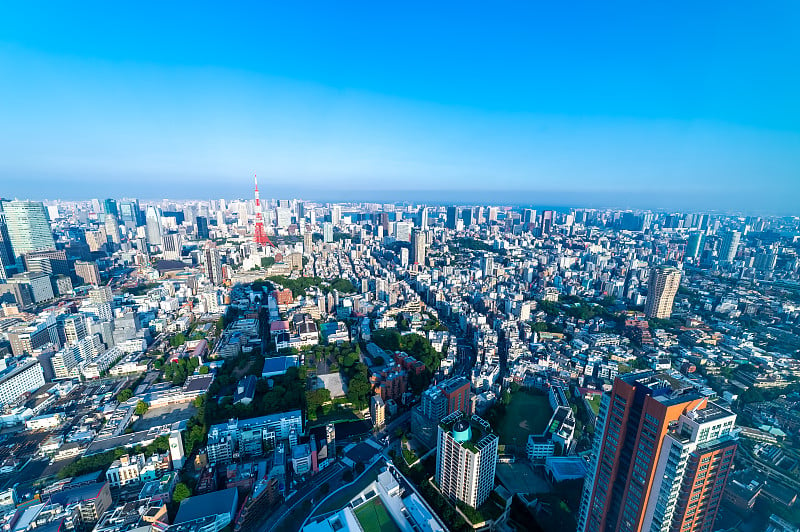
{"x":694,"y":248}
{"x":110,"y":207}
{"x":467,"y":216}
{"x":173,"y":246}
{"x":112,"y":229}
{"x":730,"y":244}
{"x":7,"y":258}
{"x":660,"y":458}
{"x":153,"y":226}
{"x":661,"y":289}
{"x":418,"y":245}
{"x":28,"y":227}
{"x":452,"y":217}
{"x":213,"y":265}
{"x":402,"y":231}
{"x":548,"y":219}
{"x":465,"y":459}
{"x":423,"y":217}
{"x":327,"y":232}
{"x":336,"y":215}
{"x":202,"y":227}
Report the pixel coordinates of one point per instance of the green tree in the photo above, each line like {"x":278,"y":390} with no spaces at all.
{"x":141,"y":408}
{"x":203,"y":370}
{"x":181,"y":492}
{"x":124,"y":395}
{"x":177,"y":340}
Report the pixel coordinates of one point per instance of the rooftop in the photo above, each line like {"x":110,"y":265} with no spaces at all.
{"x":210,"y":504}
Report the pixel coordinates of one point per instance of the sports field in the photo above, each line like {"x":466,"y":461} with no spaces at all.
{"x":373,"y":517}
{"x":528,"y":413}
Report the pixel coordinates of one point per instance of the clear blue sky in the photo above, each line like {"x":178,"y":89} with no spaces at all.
{"x":683,"y":104}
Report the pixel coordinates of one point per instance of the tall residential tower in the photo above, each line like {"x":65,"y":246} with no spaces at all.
{"x":660,"y":458}
{"x":661,"y":289}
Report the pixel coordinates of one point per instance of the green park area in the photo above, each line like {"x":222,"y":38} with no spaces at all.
{"x":594,"y":402}
{"x":373,"y":517}
{"x":528,"y":413}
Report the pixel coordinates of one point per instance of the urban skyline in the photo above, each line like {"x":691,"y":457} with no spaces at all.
{"x":640,"y":109}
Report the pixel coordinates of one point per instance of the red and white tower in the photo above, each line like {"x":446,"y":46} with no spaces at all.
{"x":261,"y":237}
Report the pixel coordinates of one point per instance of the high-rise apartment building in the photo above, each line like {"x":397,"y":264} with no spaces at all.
{"x":465,"y":459}
{"x":661,"y":289}
{"x":418,"y":247}
{"x":213,"y":265}
{"x":28,"y":226}
{"x":729,"y":246}
{"x":327,"y":232}
{"x":660,"y":458}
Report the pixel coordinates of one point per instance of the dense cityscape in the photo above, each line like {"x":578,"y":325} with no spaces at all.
{"x":270,"y":365}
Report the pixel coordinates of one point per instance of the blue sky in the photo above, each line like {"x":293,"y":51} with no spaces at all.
{"x":681,"y":104}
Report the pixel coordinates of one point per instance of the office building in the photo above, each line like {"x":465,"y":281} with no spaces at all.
{"x":467,"y":215}
{"x":153,"y":227}
{"x":87,"y":272}
{"x":660,"y":458}
{"x":173,"y":246}
{"x":694,"y":248}
{"x":51,"y":262}
{"x":402,"y":231}
{"x":7,"y":259}
{"x":336,"y":215}
{"x":38,"y":284}
{"x":26,"y":376}
{"x":130,"y":213}
{"x":28,"y":227}
{"x":202,"y":227}
{"x":661,"y":289}
{"x":112,"y":229}
{"x":548,"y":220}
{"x":327,"y":232}
{"x":110,"y":207}
{"x":465,"y":459}
{"x":452,"y":218}
{"x":422,"y":216}
{"x":729,"y":246}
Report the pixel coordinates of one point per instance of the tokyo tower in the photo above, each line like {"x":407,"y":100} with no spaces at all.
{"x":261,"y":237}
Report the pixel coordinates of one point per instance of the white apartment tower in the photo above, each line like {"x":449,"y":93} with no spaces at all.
{"x":466,"y":458}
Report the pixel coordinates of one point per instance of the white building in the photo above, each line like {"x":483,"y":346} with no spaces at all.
{"x":26,"y":376}
{"x":466,"y":458}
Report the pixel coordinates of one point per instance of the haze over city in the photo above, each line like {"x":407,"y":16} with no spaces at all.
{"x":366,"y":267}
{"x":676,"y":106}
